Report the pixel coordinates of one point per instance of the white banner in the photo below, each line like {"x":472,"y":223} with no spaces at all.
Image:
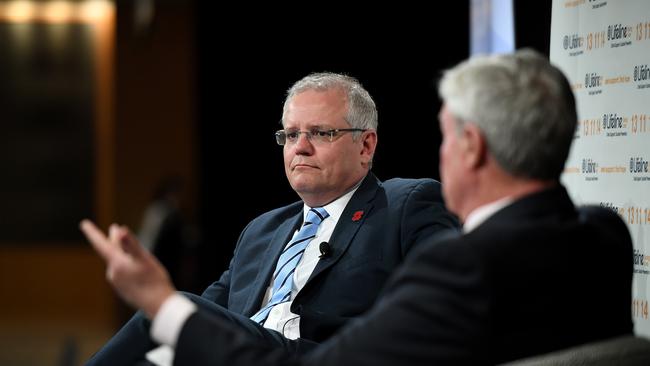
{"x":604,"y":48}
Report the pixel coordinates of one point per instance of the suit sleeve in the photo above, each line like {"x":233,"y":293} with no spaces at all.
{"x":433,"y":312}
{"x":219,"y":290}
{"x":207,"y":341}
{"x":425,"y":216}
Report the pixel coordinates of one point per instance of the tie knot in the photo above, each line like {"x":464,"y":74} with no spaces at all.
{"x":316,"y":216}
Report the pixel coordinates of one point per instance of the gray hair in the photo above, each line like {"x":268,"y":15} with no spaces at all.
{"x":523,"y":105}
{"x":361,"y":112}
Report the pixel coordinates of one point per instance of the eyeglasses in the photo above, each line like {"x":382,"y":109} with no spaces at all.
{"x":315,"y":135}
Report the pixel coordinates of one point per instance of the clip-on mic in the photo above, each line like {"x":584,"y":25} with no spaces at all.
{"x":325,"y":249}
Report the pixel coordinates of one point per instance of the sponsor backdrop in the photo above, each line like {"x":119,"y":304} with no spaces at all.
{"x":604,"y":48}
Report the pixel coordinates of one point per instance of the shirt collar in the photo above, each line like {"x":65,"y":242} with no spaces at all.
{"x":336,"y":207}
{"x":482,"y":213}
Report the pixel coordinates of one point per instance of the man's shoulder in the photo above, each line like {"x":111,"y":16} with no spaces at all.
{"x":409,"y":184}
{"x":423,"y":201}
{"x":403,"y":190}
{"x":597,"y":213}
{"x":280,"y":214}
{"x":602,"y":218}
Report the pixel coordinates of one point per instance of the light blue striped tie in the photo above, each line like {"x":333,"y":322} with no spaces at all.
{"x":286,"y":266}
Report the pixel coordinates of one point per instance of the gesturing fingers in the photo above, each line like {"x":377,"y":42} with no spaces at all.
{"x":134,"y":272}
{"x":113,"y":233}
{"x":97,"y":239}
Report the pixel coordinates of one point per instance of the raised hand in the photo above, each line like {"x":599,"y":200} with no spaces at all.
{"x":137,"y":276}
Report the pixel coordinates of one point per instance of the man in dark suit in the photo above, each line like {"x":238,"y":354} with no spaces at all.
{"x":328,"y":138}
{"x":530,"y":274}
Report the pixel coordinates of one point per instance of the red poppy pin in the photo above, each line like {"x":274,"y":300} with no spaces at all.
{"x":357,"y":216}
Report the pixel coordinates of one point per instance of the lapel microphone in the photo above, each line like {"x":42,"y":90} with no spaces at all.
{"x":325,"y":250}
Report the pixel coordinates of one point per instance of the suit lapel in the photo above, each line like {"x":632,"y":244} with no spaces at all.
{"x":349,"y":223}
{"x":269,"y":259}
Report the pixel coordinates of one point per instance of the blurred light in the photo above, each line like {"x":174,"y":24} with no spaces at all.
{"x":95,"y":9}
{"x":18,"y":10}
{"x":55,"y":11}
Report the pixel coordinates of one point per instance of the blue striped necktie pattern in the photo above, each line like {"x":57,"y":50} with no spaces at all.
{"x":289,"y":258}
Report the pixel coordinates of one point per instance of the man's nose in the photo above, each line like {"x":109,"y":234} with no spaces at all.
{"x":304,"y":143}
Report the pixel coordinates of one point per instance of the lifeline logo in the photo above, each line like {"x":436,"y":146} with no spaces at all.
{"x":620,"y":35}
{"x":639,"y":166}
{"x":593,"y":80}
{"x":573,"y":42}
{"x":589,"y":167}
{"x":641,"y":260}
{"x":614,"y":125}
{"x":642,"y":74}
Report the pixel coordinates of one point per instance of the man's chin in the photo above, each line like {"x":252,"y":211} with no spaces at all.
{"x":302,"y":187}
{"x":303,"y":184}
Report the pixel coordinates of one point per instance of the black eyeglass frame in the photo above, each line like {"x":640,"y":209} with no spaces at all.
{"x":281,"y":135}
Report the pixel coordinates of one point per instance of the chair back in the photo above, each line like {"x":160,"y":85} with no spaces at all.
{"x":627,"y":350}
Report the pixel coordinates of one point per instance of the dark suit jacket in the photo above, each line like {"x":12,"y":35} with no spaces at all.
{"x":537,"y":276}
{"x":381,"y":223}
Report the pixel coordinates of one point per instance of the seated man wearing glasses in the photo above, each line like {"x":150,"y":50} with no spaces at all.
{"x":304,"y":270}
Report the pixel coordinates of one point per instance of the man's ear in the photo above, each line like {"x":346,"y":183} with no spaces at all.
{"x":474,"y":146}
{"x":368,"y":143}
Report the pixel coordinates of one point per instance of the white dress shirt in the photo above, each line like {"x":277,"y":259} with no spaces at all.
{"x":482,"y":213}
{"x":173,"y":314}
{"x":281,"y":318}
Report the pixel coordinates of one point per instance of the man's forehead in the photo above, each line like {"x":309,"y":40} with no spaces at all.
{"x":308,"y":125}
